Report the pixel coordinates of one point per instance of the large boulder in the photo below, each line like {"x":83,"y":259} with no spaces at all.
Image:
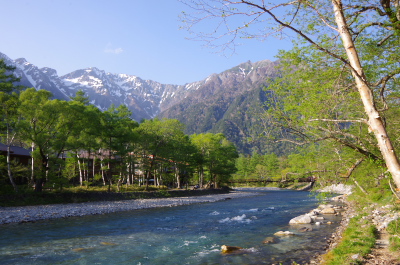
{"x":328,"y":210}
{"x":302,"y":219}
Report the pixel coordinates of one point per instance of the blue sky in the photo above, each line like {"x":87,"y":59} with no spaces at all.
{"x":135,"y":37}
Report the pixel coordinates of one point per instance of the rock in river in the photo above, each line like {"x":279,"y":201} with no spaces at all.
{"x":284,"y":233}
{"x":229,"y":249}
{"x":302,"y":219}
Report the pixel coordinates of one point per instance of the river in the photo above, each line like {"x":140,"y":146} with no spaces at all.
{"x":189,"y":234}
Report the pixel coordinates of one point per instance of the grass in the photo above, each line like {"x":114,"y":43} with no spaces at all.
{"x":394,"y":230}
{"x":357,"y":241}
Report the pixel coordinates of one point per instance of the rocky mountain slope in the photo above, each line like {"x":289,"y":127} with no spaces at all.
{"x":227,"y":102}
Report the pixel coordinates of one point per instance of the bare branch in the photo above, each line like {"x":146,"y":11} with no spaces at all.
{"x":384,"y":40}
{"x":332,"y":120}
{"x":363,"y":9}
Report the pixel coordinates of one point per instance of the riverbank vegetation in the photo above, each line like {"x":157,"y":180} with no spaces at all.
{"x":357,"y":241}
{"x":371,"y":207}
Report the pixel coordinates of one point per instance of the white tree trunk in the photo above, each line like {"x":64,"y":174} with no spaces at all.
{"x":374,"y":119}
{"x":80,"y":171}
{"x":32,"y":165}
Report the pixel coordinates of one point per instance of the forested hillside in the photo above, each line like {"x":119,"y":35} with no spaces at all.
{"x":232,"y":103}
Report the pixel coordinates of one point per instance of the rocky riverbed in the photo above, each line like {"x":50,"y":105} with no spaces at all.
{"x":41,"y":212}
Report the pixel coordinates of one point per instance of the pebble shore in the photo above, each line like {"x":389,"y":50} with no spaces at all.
{"x":42,"y":212}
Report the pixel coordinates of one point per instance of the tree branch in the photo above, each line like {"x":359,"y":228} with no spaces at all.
{"x":363,"y":9}
{"x":358,"y":149}
{"x":331,"y":120}
{"x":384,"y":80}
{"x":303,"y":143}
{"x":384,"y":40}
{"x":351,"y":169}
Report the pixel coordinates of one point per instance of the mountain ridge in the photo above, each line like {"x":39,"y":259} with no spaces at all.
{"x":214,"y":104}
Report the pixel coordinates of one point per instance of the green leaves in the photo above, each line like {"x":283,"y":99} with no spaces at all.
{"x":218,"y":156}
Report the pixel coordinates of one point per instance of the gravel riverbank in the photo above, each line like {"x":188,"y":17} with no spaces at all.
{"x":42,"y":212}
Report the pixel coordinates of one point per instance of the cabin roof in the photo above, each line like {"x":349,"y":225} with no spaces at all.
{"x":15,"y":150}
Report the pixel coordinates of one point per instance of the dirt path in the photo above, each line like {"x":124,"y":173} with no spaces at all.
{"x":381,"y":255}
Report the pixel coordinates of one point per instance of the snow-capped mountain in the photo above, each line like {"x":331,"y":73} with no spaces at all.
{"x":145,"y":98}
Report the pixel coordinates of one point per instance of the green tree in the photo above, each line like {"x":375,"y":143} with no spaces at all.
{"x":271,"y":163}
{"x":218,"y":158}
{"x":80,"y":97}
{"x":224,"y":162}
{"x":7,"y":78}
{"x":182,"y":155}
{"x":255,"y":160}
{"x":47,"y":125}
{"x":116,"y":137}
{"x":316,"y":102}
{"x":242,"y":165}
{"x":163,"y":140}
{"x":84,"y":143}
{"x":262,"y":172}
{"x":204,"y":145}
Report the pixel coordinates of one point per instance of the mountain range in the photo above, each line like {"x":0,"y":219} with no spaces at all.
{"x":228,"y":102}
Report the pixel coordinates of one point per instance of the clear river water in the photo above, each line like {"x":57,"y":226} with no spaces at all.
{"x":190,"y":234}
